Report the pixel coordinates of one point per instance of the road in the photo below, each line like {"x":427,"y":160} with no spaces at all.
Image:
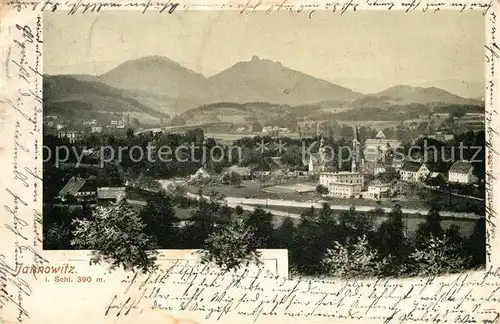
{"x":251,"y":202}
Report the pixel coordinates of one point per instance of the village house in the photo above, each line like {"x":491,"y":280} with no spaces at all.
{"x":416,"y":172}
{"x":106,"y":195}
{"x":71,"y":136}
{"x":378,"y":190}
{"x":79,"y":189}
{"x":200,"y":174}
{"x":461,"y":172}
{"x":409,"y":171}
{"x":244,"y":172}
{"x":435,"y":179}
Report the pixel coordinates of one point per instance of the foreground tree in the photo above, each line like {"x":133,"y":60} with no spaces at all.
{"x":159,"y":217}
{"x":260,"y":222}
{"x":439,"y":256}
{"x":353,"y":260}
{"x":116,"y":235}
{"x":391,"y":236}
{"x":431,"y":227}
{"x":321,"y":190}
{"x":231,"y":246}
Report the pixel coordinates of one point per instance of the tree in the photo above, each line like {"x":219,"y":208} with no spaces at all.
{"x":159,"y":216}
{"x":437,"y":257}
{"x":263,"y":178}
{"x":431,"y":227}
{"x":117,"y":236}
{"x":130,"y":133}
{"x":231,"y":246}
{"x":260,"y":222}
{"x":321,"y":190}
{"x":284,"y":236}
{"x":358,"y":224}
{"x":235,"y":179}
{"x":201,"y":224}
{"x":391,"y":236}
{"x":353,"y":260}
{"x":476,"y":244}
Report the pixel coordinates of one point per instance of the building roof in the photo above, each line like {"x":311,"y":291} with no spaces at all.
{"x":111,"y":193}
{"x":72,"y":187}
{"x":275,"y":163}
{"x":411,"y":166}
{"x":432,"y":167}
{"x":382,"y":142}
{"x":380,"y":134}
{"x":239,"y":170}
{"x":462,"y":167}
{"x":201,"y":172}
{"x":377,"y":183}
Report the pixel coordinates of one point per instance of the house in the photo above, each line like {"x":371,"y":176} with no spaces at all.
{"x":435,"y":180}
{"x":441,"y":115}
{"x":78,"y":188}
{"x":380,"y":168}
{"x":200,"y":174}
{"x":343,"y":184}
{"x":71,"y":136}
{"x":378,"y":190}
{"x":397,"y":164}
{"x":111,"y":194}
{"x":423,"y":172}
{"x":409,"y":171}
{"x":96,"y":129}
{"x":461,"y":172}
{"x":439,"y":136}
{"x":244,"y":172}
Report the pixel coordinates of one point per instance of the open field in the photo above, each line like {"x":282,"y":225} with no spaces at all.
{"x":252,"y":189}
{"x":291,"y":188}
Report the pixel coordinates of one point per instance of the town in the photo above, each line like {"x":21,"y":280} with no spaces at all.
{"x":276,"y":181}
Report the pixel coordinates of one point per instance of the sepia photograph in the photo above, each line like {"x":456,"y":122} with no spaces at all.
{"x":355,"y":142}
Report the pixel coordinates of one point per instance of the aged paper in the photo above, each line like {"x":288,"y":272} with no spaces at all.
{"x":44,"y":42}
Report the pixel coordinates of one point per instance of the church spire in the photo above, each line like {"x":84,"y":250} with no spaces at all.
{"x":356,"y":154}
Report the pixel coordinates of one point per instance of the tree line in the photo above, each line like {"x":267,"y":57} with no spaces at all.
{"x":321,"y":242}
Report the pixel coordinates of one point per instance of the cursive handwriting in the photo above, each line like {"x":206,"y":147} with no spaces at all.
{"x":254,"y":294}
{"x":252,"y":6}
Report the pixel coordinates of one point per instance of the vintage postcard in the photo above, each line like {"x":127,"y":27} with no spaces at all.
{"x":249,"y":162}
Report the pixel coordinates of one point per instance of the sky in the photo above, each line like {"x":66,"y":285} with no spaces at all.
{"x":387,"y":46}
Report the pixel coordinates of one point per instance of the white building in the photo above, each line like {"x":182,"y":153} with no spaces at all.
{"x":409,"y":171}
{"x":378,"y":190}
{"x":71,"y":136}
{"x":96,"y":129}
{"x":461,"y":172}
{"x":342,"y":184}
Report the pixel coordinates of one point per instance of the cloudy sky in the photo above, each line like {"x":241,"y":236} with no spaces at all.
{"x":390,"y":47}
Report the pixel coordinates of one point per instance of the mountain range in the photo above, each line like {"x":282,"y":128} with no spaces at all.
{"x":158,"y":86}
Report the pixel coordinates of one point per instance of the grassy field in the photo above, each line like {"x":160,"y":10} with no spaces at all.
{"x":250,"y":189}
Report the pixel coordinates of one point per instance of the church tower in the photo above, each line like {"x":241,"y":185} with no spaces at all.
{"x":356,"y":152}
{"x":321,"y":150}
